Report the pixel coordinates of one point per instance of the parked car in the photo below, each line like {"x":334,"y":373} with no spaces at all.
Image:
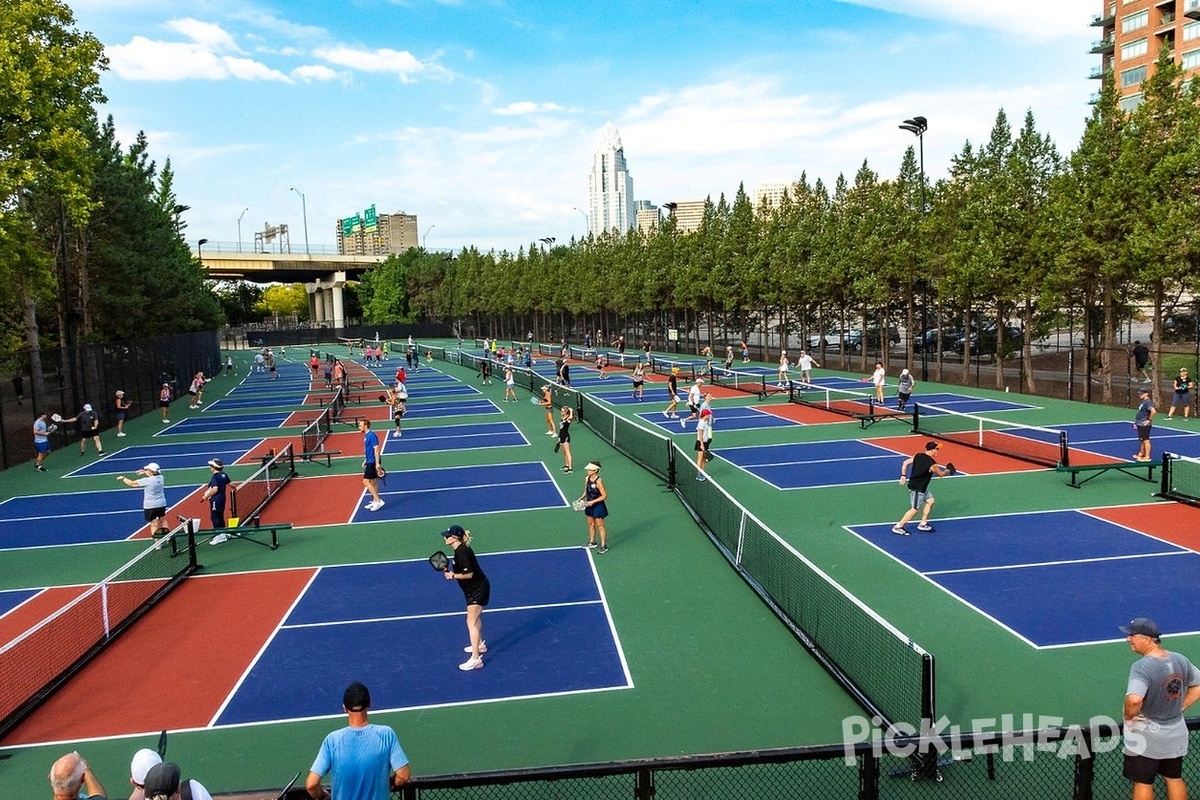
{"x":853,"y":339}
{"x":982,"y":341}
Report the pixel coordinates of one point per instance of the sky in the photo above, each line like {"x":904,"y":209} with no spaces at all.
{"x":481,"y":116}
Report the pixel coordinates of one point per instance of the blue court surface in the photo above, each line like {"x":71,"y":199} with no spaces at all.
{"x":51,"y":520}
{"x":1039,"y":575}
{"x":233,"y":423}
{"x":729,"y":418}
{"x":404,"y":623}
{"x":490,"y":488}
{"x":453,"y":437}
{"x":180,"y":455}
{"x":459,"y":408}
{"x":802,"y":465}
{"x":285,"y":400}
{"x":1119,"y":439}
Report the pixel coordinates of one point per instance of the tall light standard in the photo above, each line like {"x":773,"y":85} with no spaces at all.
{"x":304,"y":211}
{"x":587,"y":226}
{"x":425,"y":237}
{"x":200,"y":250}
{"x":244,"y":210}
{"x":917,"y":126}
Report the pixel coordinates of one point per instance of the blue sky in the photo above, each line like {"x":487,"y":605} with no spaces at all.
{"x":481,"y":116}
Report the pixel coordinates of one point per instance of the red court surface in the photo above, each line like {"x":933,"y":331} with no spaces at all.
{"x":805,"y":415}
{"x":317,"y":500}
{"x":966,"y":459}
{"x":1177,"y":523}
{"x":175,"y":667}
{"x":37,"y":608}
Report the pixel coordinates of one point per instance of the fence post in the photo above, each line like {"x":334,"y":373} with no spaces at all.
{"x":868,"y":776}
{"x":643,"y":787}
{"x":1085,"y":767}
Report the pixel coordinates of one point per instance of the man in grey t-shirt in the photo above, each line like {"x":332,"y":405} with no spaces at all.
{"x":1161,"y":686}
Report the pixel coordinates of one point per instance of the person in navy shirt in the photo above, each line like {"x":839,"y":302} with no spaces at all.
{"x":215,"y":493}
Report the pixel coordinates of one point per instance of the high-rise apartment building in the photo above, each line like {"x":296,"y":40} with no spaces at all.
{"x":610,"y":186}
{"x":1133,"y":33}
{"x":768,"y":193}
{"x":648,"y":216}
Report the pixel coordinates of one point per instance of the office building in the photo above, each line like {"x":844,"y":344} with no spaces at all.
{"x":770,"y":193}
{"x":1132,"y":34}
{"x":368,"y":234}
{"x":648,"y":216}
{"x":688,"y":215}
{"x":610,"y":186}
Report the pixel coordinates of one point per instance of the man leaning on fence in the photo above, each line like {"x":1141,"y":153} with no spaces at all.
{"x":1161,"y":686}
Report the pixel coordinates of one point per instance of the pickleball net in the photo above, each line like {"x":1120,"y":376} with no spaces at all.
{"x":312,"y":438}
{"x":1038,"y":445}
{"x":250,"y":497}
{"x":1181,"y":479}
{"x":846,"y":402}
{"x":39,"y":660}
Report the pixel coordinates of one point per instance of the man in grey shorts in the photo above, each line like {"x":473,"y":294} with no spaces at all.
{"x":923,"y":467}
{"x":1161,"y":686}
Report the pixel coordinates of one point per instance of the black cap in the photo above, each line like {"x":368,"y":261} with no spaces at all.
{"x":454,"y":530}
{"x":356,"y":697}
{"x":162,"y":781}
{"x":1142,"y":625}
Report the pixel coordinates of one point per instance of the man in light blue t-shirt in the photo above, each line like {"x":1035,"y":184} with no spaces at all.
{"x":366,"y":760}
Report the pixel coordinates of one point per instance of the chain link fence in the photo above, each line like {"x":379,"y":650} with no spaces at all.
{"x":62,"y":381}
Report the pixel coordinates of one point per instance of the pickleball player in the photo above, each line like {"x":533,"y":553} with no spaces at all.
{"x":215,"y":493}
{"x":919,"y":471}
{"x":476,"y":588}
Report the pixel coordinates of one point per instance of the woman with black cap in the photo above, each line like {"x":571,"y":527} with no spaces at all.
{"x":476,"y":589}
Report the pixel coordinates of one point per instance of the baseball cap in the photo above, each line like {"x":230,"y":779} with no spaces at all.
{"x":142,"y":761}
{"x":1143,"y":390}
{"x":706,"y":412}
{"x":87,"y":406}
{"x":151,"y":467}
{"x":120,"y":393}
{"x":162,"y":781}
{"x":216,"y":463}
{"x":453,"y":530}
{"x":1141,"y":625}
{"x":356,"y":697}
{"x":192,"y":789}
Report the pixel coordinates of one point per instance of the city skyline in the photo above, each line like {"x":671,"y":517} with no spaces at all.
{"x":482,"y":116}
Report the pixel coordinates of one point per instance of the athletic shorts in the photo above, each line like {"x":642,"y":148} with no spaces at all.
{"x":42,"y":447}
{"x":1143,"y":433}
{"x":702,"y":447}
{"x":1141,"y":769}
{"x":638,"y":384}
{"x":164,"y":403}
{"x":370,"y":473}
{"x":479,"y":594}
{"x":152,"y":514}
{"x":564,"y":438}
{"x":918,"y":499}
{"x":121,"y":416}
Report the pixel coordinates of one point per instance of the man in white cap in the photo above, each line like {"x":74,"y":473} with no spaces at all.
{"x":904,"y":388}
{"x":142,"y":761}
{"x":154,"y":497}
{"x":87,"y":424}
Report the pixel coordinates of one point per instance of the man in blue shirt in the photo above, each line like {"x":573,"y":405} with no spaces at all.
{"x":41,"y":441}
{"x":372,"y":462}
{"x":365,"y":759}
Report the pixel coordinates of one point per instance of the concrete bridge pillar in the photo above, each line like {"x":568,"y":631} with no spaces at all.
{"x":339,"y":305}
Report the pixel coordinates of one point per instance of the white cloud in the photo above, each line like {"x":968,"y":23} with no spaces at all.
{"x":1037,"y":19}
{"x":204,"y":56}
{"x":403,"y":64}
{"x":314,"y":72}
{"x":525,"y":107}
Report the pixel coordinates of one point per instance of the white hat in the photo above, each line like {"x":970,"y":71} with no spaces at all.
{"x":142,"y":761}
{"x":87,"y":406}
{"x":904,"y":371}
{"x":120,"y":393}
{"x":151,"y":467}
{"x":198,"y":792}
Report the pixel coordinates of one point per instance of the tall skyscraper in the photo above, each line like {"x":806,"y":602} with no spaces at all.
{"x":1133,"y":33}
{"x":610,"y":186}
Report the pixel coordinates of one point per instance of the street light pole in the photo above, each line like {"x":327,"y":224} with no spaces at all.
{"x":587,"y":225}
{"x":304,"y":211}
{"x":425,"y":238}
{"x":244,"y":210}
{"x":917,"y":126}
{"x":200,"y":250}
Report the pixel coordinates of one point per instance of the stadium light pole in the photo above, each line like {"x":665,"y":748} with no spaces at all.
{"x":587,"y":226}
{"x":917,"y":127}
{"x":304,"y":211}
{"x":426,"y":236}
{"x":244,"y":210}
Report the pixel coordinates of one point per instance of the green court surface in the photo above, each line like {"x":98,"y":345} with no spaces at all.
{"x":712,"y":669}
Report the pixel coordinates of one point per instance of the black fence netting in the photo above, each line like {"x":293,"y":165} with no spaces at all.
{"x":62,"y":381}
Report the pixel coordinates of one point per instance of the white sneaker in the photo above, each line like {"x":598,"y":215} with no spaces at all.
{"x":683,"y":423}
{"x":375,"y":506}
{"x":482,"y":648}
{"x":551,"y":433}
{"x":192,"y":406}
{"x":471,"y":663}
{"x":120,"y":433}
{"x":166,"y":422}
{"x":220,"y":537}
